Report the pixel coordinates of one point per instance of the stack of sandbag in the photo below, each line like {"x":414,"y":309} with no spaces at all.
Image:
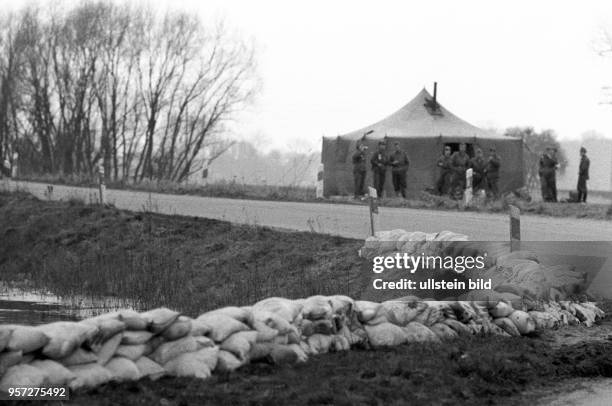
{"x":417,"y":242}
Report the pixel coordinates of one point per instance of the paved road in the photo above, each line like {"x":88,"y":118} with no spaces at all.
{"x":338,"y":219}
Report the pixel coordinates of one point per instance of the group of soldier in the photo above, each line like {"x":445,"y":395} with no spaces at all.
{"x":452,"y":168}
{"x":548,"y":175}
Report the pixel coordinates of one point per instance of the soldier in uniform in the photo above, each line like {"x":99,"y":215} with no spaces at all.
{"x":459,"y":160}
{"x":548,"y":178}
{"x":359,"y":169}
{"x":492,"y":173}
{"x":583,"y":175}
{"x":444,"y":178}
{"x":399,"y":166}
{"x":379,"y":163}
{"x":478,"y":165}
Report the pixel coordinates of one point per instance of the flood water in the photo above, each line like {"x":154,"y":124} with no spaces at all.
{"x":28,"y":307}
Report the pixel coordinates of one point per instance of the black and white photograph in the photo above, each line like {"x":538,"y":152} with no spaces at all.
{"x":305,"y":203}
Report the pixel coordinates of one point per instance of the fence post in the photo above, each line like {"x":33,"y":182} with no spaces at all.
{"x":373,"y":195}
{"x":102,"y":186}
{"x":319,"y":188}
{"x":469,"y":192}
{"x":515,"y":228}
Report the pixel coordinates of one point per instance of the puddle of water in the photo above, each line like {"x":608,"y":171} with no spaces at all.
{"x":27,"y":307}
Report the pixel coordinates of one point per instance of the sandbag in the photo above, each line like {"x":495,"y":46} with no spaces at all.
{"x":429,"y":316}
{"x":366,"y":310}
{"x":190,"y":365}
{"x":543,"y":320}
{"x":287,"y":309}
{"x":273,"y":321}
{"x":260,"y":351}
{"x":133,"y":352}
{"x":443,"y":331}
{"x":65,"y":337}
{"x":179,"y":329}
{"x":385,"y":334}
{"x":283,"y":355}
{"x":324,"y":326}
{"x":402,"y":312}
{"x":507,"y":325}
{"x":240,"y":343}
{"x":89,"y":376}
{"x":319,"y":343}
{"x":341,"y":305}
{"x":199,"y":328}
{"x":241,"y":314}
{"x":160,"y":319}
{"x":222,"y":326}
{"x":122,"y":370}
{"x":316,"y":308}
{"x":501,"y":309}
{"x":340,"y":343}
{"x":133,"y":320}
{"x":135,"y":337}
{"x":106,"y":326}
{"x":172,"y":349}
{"x":78,"y":357}
{"x":458,"y":327}
{"x":27,"y":339}
{"x":8,"y":359}
{"x":417,"y":332}
{"x":149,"y":368}
{"x":523,"y":322}
{"x":301,"y":354}
{"x":55,"y":373}
{"x":22,"y":375}
{"x":106,"y":350}
{"x":5,"y":337}
{"x":227,"y":362}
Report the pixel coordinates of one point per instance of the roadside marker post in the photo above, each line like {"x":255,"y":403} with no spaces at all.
{"x":469,"y":192}
{"x":515,"y":228}
{"x":319,"y":188}
{"x":102,"y":186}
{"x":373,"y":206}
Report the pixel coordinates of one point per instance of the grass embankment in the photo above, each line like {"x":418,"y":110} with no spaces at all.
{"x":190,"y":264}
{"x":423,"y":200}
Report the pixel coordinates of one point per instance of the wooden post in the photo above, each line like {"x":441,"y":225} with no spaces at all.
{"x":319,"y":187}
{"x":373,"y":207}
{"x":102,"y":186}
{"x":515,"y":228}
{"x":469,"y":192}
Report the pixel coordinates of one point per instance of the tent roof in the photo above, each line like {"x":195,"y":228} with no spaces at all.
{"x":420,"y":119}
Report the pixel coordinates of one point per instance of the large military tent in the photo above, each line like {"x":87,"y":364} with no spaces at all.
{"x":422,"y":127}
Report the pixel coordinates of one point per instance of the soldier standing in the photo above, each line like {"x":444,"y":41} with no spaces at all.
{"x":399,"y":166}
{"x":460,"y":160}
{"x":359,"y":169}
{"x":379,"y":163}
{"x":583,"y":175}
{"x":478,"y":165}
{"x":444,"y":178}
{"x":548,"y":178}
{"x":492,"y":172}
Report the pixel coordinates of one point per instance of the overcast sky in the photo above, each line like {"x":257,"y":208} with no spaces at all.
{"x":330,"y":67}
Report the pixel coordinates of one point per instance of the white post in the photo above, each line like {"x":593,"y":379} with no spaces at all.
{"x":102,"y":186}
{"x":373,"y":196}
{"x":469,"y":192}
{"x":14,"y":169}
{"x":319,"y":187}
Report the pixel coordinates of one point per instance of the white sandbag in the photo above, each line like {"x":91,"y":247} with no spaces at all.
{"x":227,"y":362}
{"x":324,"y":326}
{"x":133,"y":352}
{"x":463,"y":311}
{"x":55,"y":373}
{"x":222,"y":326}
{"x":501,"y":309}
{"x":5,"y":336}
{"x":443,"y":331}
{"x":341,"y":304}
{"x":417,"y":332}
{"x":160,"y":319}
{"x":242,"y":314}
{"x":340,"y":343}
{"x":22,"y":375}
{"x":199,"y":328}
{"x":385,"y":335}
{"x":78,"y":357}
{"x":284,"y":308}
{"x":281,"y":340}
{"x":8,"y":359}
{"x":240,"y":343}
{"x":273,"y":321}
{"x":584,"y":314}
{"x":543,"y":320}
{"x":301,"y":354}
{"x":133,"y":320}
{"x":89,"y":376}
{"x":188,"y":365}
{"x":179,"y":329}
{"x":136,"y":337}
{"x":523,"y":322}
{"x":284,"y":355}
{"x":316,"y":307}
{"x":402,"y":312}
{"x":106,"y":350}
{"x":260,"y":350}
{"x":65,"y":337}
{"x":507,"y":325}
{"x":458,"y":326}
{"x":172,"y":349}
{"x":27,"y":339}
{"x":106,"y":325}
{"x":429,"y":316}
{"x":319,"y":343}
{"x":122,"y":370}
{"x":149,"y":368}
{"x":366,"y":311}
{"x":353,"y":337}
